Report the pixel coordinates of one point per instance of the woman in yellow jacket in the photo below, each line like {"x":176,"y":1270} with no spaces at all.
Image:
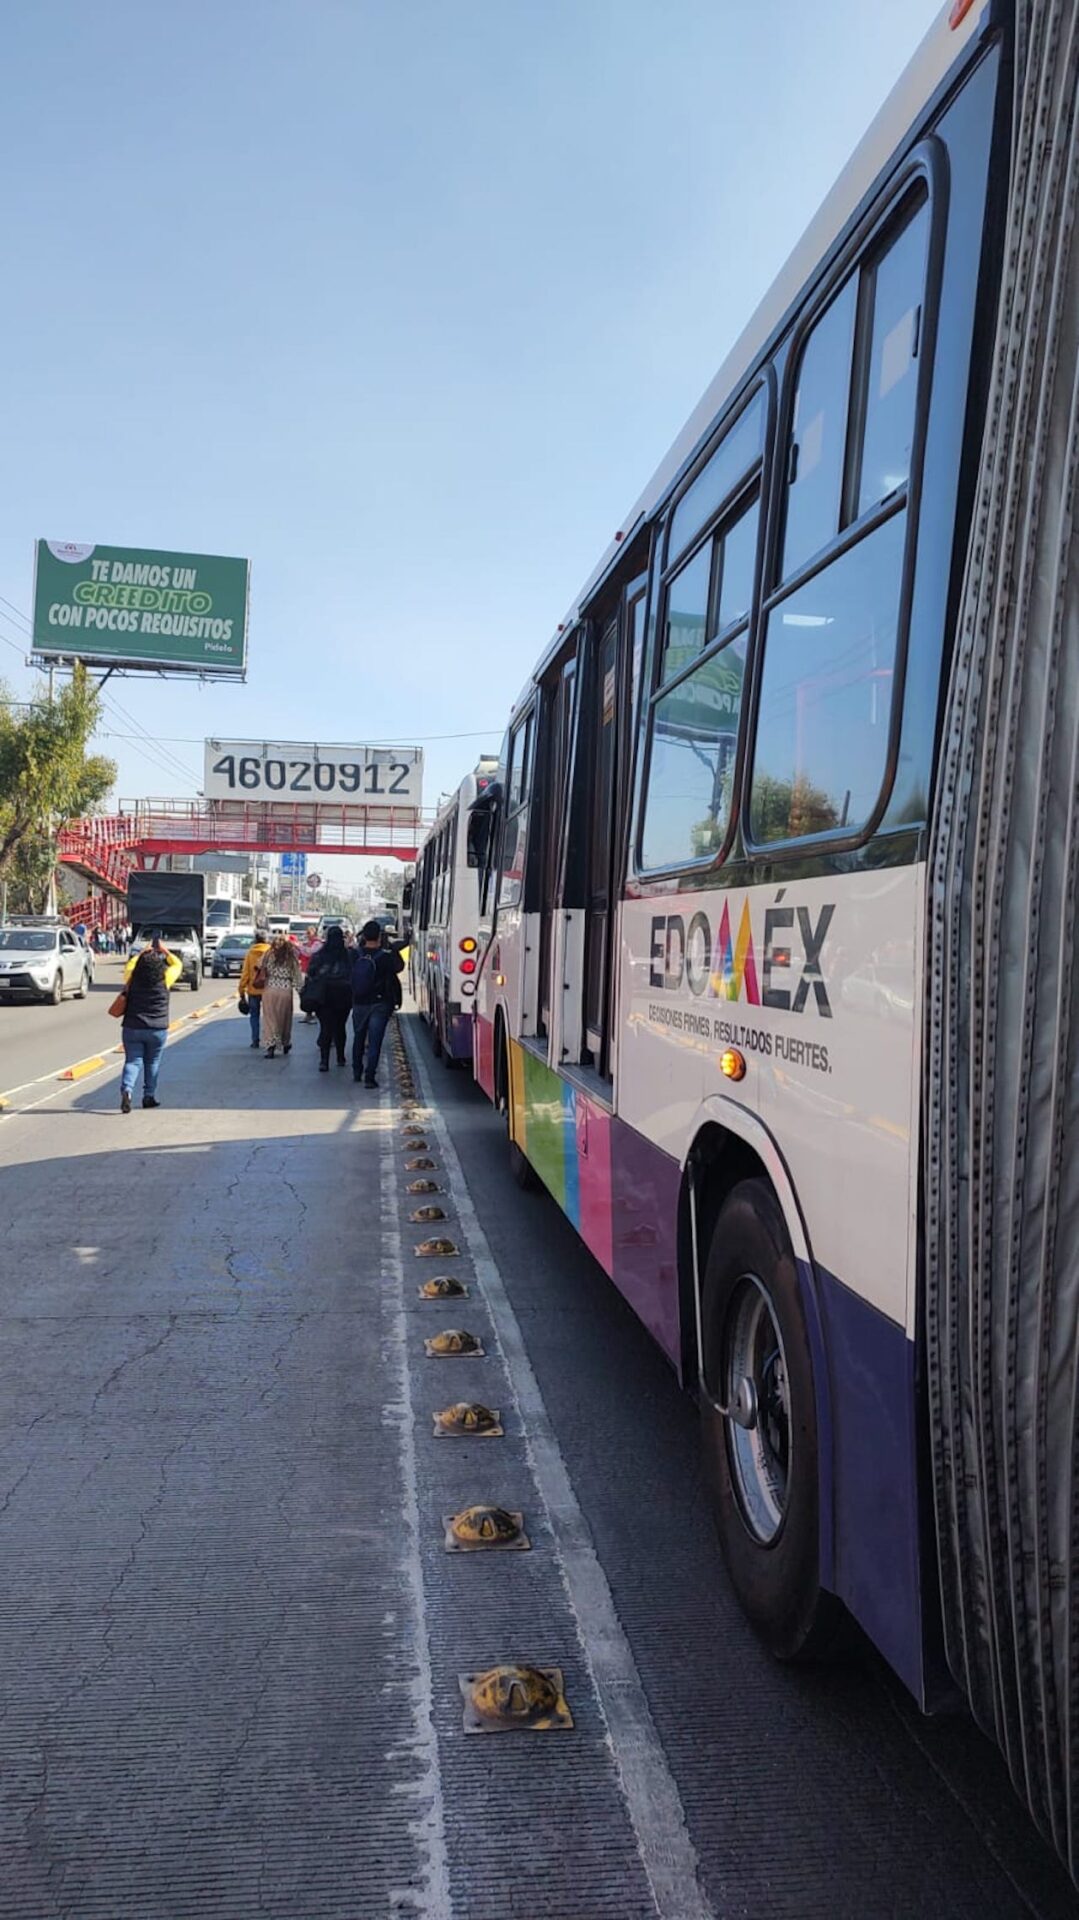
{"x":247,"y":990}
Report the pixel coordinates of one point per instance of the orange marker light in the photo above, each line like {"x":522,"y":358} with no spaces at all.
{"x":733,"y":1064}
{"x":467,"y":946}
{"x":500,"y":979}
{"x":959,"y":13}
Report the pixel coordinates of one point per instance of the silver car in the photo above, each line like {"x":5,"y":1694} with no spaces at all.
{"x":42,"y":963}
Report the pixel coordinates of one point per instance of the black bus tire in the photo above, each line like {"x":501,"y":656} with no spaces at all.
{"x":776,"y":1579}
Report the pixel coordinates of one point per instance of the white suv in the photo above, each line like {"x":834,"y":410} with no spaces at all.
{"x":42,"y":963}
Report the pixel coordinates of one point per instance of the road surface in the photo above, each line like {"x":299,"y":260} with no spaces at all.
{"x":232,"y":1638}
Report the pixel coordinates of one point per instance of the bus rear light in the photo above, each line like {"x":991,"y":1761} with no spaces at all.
{"x":500,"y":979}
{"x":468,"y":966}
{"x":467,"y":946}
{"x":468,"y":986}
{"x":733,"y":1064}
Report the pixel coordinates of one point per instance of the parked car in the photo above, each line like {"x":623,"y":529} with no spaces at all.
{"x":42,"y":963}
{"x":229,"y":954}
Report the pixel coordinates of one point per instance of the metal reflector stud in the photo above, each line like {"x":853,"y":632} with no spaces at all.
{"x":423,"y":1186}
{"x":418,"y":1166}
{"x":423,"y":1215}
{"x":437,"y":1249}
{"x":515,"y":1700}
{"x":469,"y":1420}
{"x":484,"y":1529}
{"x":443,"y":1287}
{"x":451,"y":1343}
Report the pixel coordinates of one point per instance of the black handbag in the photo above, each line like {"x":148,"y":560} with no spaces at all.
{"x":243,"y":1004}
{"x":312,"y":994}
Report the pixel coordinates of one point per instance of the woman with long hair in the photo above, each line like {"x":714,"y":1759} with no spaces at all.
{"x":279,"y":979}
{"x":328,"y":989}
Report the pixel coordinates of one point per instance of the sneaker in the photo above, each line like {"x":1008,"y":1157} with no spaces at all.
{"x":324,"y":1066}
{"x":357,"y":1077}
{"x":149,"y":1101}
{"x":256,"y":1044}
{"x":125,"y":1101}
{"x":370,"y":1083}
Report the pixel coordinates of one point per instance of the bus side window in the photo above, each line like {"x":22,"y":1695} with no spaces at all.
{"x":831,"y":632}
{"x":518,"y":791}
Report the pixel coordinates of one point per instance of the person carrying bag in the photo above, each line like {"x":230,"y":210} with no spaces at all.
{"x":248,"y":992}
{"x":327,"y":991}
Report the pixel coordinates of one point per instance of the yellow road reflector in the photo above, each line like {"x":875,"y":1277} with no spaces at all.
{"x":423,"y":1186}
{"x":200,"y":1013}
{"x":82,"y":1068}
{"x":514,"y":1699}
{"x":173,"y":1024}
{"x":437,"y":1249}
{"x":452,"y":1343}
{"x":483,"y":1529}
{"x":418,"y":1166}
{"x":445,"y":1287}
{"x":222,"y":1003}
{"x":423,"y":1214}
{"x":469,"y":1420}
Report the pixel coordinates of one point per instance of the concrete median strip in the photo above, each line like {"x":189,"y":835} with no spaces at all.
{"x":83,"y":1067}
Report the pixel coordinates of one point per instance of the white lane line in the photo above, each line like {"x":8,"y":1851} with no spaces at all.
{"x":431,"y":1897}
{"x":112,"y":1063}
{"x":652,"y":1798}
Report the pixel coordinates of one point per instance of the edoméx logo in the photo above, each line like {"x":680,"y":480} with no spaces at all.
{"x":724,"y":965}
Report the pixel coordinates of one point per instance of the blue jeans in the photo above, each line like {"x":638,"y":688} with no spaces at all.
{"x":254,"y":1014}
{"x":369,"y":1023}
{"x":143,"y":1047}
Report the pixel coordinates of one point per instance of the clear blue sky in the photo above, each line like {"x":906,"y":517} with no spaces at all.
{"x":403,"y":300}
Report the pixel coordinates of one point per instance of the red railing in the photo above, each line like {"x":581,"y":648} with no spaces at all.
{"x":102,"y":848}
{"x":195,"y":826}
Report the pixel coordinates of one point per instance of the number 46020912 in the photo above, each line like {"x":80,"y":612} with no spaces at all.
{"x":313,"y":776}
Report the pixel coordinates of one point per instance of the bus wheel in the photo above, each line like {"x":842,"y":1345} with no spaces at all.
{"x":522,"y":1170}
{"x":761,"y":1450}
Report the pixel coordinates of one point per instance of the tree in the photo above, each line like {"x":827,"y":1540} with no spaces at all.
{"x":47,"y":778}
{"x":386,"y":883}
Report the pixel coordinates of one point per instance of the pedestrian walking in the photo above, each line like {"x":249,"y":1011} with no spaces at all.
{"x":327,"y":991}
{"x":375,"y":994}
{"x":145,"y":1014}
{"x":248,"y":995}
{"x":311,"y":945}
{"x":280,"y":979}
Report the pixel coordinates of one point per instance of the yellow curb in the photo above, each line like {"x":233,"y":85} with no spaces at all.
{"x":200,"y":1013}
{"x":221,"y":1003}
{"x":173,"y":1024}
{"x":81,"y":1068}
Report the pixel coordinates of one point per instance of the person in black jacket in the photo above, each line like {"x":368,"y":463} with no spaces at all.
{"x":375,"y":994}
{"x":146,"y":1020}
{"x":328,"y":989}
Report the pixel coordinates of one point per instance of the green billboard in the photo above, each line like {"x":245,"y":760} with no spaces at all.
{"x":135,"y":607}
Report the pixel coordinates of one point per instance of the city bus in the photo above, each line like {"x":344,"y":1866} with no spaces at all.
{"x":778,"y":899}
{"x":443,"y":942}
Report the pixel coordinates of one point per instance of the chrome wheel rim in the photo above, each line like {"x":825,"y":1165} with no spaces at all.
{"x":757,"y":1394}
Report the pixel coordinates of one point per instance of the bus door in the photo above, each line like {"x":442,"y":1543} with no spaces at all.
{"x":603,"y":798}
{"x":559,"y":714}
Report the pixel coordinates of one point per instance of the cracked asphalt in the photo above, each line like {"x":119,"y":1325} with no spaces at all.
{"x":230,"y":1637}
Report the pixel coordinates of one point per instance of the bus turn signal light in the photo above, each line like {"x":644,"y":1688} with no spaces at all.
{"x":733,"y":1063}
{"x":467,"y":946}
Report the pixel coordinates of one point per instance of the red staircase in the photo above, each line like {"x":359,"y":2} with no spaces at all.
{"x":102,"y":849}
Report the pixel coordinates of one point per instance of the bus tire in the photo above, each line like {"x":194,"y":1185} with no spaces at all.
{"x":762,"y":1469}
{"x":522,"y":1170}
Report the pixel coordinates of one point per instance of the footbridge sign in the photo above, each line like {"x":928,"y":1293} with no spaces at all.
{"x":294,"y":773}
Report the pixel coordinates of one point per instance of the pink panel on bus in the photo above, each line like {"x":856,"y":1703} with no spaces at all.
{"x":594,"y":1175}
{"x":483,"y":1055}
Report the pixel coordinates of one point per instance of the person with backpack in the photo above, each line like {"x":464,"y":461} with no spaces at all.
{"x":327,"y":991}
{"x":375,"y":994}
